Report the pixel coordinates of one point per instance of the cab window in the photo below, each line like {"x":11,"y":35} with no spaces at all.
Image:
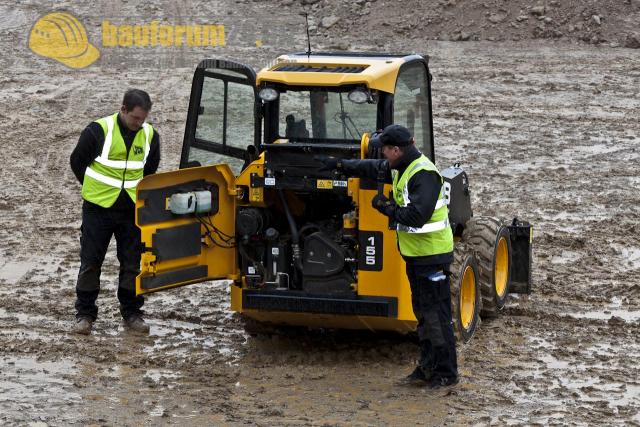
{"x":324,"y":115}
{"x":225,"y":120}
{"x":411,"y":105}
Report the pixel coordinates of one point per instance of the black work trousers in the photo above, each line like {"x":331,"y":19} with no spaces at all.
{"x":98,"y":226}
{"x":431,"y":300}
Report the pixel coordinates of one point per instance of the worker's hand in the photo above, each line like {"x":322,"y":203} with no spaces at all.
{"x":382,"y":204}
{"x":329,"y":163}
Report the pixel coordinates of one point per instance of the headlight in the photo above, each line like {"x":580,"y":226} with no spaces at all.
{"x":359,"y":95}
{"x":268,"y":94}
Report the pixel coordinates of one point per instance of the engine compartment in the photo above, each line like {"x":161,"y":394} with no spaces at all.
{"x":307,"y":237}
{"x":302,"y":241}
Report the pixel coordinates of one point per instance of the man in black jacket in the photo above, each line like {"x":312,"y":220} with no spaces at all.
{"x":425,"y":241}
{"x":112,"y":155}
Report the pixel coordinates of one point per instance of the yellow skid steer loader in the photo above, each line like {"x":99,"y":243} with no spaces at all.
{"x":304,"y":246}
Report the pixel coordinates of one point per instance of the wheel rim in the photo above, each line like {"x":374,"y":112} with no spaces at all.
{"x":501,"y":267}
{"x":467,"y":297}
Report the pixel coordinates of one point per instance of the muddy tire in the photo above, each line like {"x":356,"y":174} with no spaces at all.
{"x":490,"y":242}
{"x":465,"y":293}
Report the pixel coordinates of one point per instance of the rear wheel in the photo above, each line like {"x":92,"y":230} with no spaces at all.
{"x":465,"y":293}
{"x":490,"y":241}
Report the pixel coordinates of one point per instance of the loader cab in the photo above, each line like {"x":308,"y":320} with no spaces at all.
{"x":327,"y":98}
{"x":335,"y":98}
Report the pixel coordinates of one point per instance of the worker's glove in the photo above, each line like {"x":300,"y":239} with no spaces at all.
{"x":329,"y":163}
{"x":383,"y":205}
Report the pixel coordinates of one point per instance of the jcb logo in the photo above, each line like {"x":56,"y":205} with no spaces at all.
{"x":137,"y":150}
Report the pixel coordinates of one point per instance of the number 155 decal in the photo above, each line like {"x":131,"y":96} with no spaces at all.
{"x":370,"y":257}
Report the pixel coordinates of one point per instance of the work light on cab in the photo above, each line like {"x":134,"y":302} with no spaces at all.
{"x":359,"y":95}
{"x":268,"y":94}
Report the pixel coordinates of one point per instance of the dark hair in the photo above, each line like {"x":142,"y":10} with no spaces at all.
{"x":136,"y":98}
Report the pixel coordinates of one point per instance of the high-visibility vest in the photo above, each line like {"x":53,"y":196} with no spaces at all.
{"x":435,"y":236}
{"x":115,"y":169}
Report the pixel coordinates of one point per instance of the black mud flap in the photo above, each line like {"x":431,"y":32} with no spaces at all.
{"x":521,"y":233}
{"x":458,"y":197}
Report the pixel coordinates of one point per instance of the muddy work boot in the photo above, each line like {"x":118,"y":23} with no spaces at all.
{"x":416,"y":379}
{"x":136,"y":323}
{"x":82,"y":326}
{"x":441,"y":384}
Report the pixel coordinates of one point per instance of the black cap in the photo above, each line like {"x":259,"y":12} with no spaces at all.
{"x":391,"y":135}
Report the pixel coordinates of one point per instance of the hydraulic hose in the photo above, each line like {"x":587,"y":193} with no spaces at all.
{"x":256,"y":264}
{"x":295,"y":236}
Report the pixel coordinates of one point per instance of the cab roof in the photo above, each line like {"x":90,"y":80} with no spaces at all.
{"x":375,"y":70}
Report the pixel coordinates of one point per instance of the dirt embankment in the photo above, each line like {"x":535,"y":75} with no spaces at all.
{"x":607,"y":23}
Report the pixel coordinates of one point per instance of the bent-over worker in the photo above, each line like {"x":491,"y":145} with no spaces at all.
{"x":425,"y":241}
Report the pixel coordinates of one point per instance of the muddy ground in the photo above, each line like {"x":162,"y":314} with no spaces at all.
{"x":547,"y":131}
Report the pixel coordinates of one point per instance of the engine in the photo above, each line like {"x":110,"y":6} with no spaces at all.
{"x":320,"y":257}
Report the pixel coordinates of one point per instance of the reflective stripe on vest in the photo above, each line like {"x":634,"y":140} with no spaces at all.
{"x":110,"y":181}
{"x":427,"y":228}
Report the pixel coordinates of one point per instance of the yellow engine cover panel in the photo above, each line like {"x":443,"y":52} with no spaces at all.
{"x":210,"y":256}
{"x":392,"y":280}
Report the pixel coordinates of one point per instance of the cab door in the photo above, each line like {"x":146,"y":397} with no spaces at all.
{"x":412,"y":103}
{"x":187,"y":217}
{"x":223,"y":121}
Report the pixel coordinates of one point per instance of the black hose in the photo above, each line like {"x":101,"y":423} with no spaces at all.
{"x":255,"y":263}
{"x":295,"y":236}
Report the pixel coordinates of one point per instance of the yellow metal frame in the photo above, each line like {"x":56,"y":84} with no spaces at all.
{"x":380,"y":73}
{"x":392,"y":281}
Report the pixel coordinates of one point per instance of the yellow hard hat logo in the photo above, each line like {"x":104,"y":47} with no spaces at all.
{"x":62,"y":37}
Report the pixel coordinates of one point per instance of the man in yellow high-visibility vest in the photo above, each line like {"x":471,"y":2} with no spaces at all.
{"x":425,"y":241}
{"x":111,"y":157}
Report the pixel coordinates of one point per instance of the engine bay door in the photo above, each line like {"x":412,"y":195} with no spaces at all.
{"x":187,"y":223}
